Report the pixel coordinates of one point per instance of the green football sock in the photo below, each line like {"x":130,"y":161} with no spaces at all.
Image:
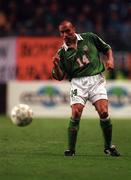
{"x":106,"y":127}
{"x":72,"y":133}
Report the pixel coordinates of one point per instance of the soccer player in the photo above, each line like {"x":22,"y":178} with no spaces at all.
{"x":78,"y":60}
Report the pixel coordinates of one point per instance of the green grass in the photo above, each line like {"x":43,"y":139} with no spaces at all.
{"x":35,"y":152}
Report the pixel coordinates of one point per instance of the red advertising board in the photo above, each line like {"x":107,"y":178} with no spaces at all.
{"x":34,"y":57}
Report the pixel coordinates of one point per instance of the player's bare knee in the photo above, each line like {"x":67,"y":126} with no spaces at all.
{"x":77,"y":114}
{"x":103,"y":114}
{"x":77,"y":111}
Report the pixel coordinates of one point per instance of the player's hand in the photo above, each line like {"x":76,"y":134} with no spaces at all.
{"x":56,"y":59}
{"x":58,"y":74}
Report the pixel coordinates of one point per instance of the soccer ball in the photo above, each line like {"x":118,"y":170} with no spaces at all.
{"x":21,"y":115}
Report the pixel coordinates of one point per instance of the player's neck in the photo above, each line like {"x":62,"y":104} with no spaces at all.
{"x":72,"y":43}
{"x":74,"y":46}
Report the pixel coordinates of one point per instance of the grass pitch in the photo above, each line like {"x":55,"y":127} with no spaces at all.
{"x":35,"y":152}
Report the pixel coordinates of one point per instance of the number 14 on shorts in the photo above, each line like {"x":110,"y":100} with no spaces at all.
{"x":74,"y":92}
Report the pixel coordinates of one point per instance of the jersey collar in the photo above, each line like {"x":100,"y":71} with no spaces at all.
{"x":79,"y":38}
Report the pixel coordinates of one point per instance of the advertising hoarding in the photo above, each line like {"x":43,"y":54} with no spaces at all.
{"x":51,"y":99}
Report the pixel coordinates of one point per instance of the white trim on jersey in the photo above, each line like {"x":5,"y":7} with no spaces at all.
{"x":79,"y":38}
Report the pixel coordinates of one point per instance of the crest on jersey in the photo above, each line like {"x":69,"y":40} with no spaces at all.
{"x":85,"y":48}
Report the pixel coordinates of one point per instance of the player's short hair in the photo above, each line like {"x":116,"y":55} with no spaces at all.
{"x":64,"y":22}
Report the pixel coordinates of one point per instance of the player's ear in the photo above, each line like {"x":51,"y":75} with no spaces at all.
{"x":74,"y":28}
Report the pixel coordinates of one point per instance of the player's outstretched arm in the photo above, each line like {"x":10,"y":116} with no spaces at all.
{"x":57,"y":73}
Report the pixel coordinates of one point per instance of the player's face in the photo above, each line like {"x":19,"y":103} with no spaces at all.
{"x":67,"y":32}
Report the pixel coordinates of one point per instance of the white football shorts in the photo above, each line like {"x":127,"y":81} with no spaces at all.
{"x":90,"y":88}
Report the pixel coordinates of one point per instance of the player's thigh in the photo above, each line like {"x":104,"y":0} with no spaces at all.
{"x":98,"y":90}
{"x":77,"y":95}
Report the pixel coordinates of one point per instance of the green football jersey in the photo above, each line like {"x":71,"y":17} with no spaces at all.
{"x":85,"y":60}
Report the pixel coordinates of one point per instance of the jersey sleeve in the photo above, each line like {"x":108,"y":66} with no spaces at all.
{"x":100,"y":44}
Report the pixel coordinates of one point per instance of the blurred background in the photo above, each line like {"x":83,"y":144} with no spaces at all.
{"x":29,"y":38}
